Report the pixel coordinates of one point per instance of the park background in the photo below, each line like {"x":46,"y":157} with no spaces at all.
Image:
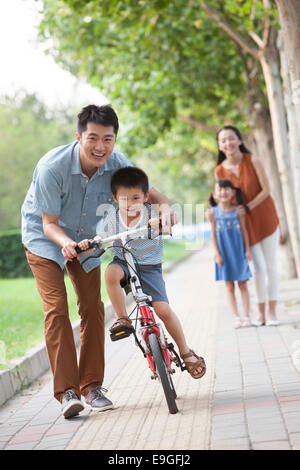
{"x":175,"y":71}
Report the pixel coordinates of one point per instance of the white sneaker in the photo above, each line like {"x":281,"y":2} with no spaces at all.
{"x":258,"y":323}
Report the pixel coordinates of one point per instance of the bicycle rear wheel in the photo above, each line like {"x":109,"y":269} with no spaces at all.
{"x":163,"y":373}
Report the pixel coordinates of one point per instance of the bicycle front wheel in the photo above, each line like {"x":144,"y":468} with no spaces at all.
{"x":163,"y":373}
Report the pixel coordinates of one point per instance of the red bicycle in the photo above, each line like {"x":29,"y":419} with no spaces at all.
{"x":150,"y":337}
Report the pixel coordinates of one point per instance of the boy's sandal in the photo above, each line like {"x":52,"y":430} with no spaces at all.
{"x":192,"y":366}
{"x":122,"y":322}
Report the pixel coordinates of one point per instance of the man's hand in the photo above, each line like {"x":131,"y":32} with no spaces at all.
{"x":69,"y":252}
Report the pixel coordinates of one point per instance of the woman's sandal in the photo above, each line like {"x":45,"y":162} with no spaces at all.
{"x":192,"y":366}
{"x":237,"y":323}
{"x":122,"y":322}
{"x":246,"y":322}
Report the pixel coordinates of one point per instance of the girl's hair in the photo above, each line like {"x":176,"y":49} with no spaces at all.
{"x":225,"y":183}
{"x":221,"y":155}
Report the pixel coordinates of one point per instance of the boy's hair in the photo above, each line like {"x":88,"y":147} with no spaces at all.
{"x":129,"y":177}
{"x":225,"y":183}
{"x":104,"y":115}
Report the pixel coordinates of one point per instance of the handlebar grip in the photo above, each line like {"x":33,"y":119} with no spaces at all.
{"x":79,"y":250}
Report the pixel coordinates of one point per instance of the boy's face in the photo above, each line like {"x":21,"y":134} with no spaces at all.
{"x":131,"y":200}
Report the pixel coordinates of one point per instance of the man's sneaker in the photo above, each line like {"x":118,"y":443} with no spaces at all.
{"x":97,"y":400}
{"x":71,"y":405}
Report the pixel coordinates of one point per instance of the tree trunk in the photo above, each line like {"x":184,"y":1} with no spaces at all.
{"x":269,"y":63}
{"x":293,"y":135}
{"x":262,"y":132}
{"x":289,"y":18}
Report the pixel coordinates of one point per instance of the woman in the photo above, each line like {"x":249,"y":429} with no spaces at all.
{"x":246,"y":171}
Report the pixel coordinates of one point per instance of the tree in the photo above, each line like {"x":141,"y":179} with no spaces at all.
{"x":28,"y":131}
{"x":265,"y":51}
{"x":168,"y":60}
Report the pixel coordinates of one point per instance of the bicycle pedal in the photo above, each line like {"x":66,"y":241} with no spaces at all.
{"x":121,"y":333}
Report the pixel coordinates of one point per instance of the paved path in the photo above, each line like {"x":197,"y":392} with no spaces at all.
{"x":249,"y":398}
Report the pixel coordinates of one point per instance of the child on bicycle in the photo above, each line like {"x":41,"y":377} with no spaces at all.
{"x":231,"y":244}
{"x":129,"y":188}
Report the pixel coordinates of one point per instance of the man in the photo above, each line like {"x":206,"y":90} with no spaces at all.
{"x":60,"y":209}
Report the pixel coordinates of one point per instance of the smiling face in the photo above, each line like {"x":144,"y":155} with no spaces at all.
{"x":224,"y":195}
{"x":96,"y":145}
{"x":229,"y":142}
{"x":130,"y":201}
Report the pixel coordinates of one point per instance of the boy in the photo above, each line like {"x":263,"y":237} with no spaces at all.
{"x":129,"y":187}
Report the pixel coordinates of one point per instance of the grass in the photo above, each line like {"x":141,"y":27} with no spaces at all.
{"x":21,"y":312}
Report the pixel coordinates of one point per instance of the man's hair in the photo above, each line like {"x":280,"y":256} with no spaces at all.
{"x":129,"y":177}
{"x":104,"y":115}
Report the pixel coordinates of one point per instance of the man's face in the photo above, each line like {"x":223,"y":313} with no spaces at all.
{"x":96,"y":145}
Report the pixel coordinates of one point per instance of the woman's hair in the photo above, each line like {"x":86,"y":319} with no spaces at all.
{"x":225,"y":183}
{"x":129,"y":177}
{"x":221,"y":155}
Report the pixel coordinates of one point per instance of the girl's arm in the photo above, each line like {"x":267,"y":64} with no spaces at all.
{"x":219,"y":259}
{"x":245,"y":237}
{"x":262,"y":178}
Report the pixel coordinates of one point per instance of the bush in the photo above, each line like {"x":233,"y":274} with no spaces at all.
{"x":13,"y":262}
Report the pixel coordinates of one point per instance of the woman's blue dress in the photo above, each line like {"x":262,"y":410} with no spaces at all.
{"x":231,"y":247}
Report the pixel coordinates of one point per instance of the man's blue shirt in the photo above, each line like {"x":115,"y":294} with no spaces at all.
{"x":60,"y":188}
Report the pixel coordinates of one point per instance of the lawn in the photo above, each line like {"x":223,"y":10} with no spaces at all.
{"x":21,"y":314}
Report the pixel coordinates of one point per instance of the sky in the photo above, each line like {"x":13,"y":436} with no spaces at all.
{"x":24,"y":65}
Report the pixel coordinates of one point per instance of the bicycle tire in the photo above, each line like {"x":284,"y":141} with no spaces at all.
{"x":163,"y":373}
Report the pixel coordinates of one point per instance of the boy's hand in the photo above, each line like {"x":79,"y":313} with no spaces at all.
{"x":219,"y":260}
{"x":84,"y":245}
{"x":155,"y":224}
{"x":248,"y":255}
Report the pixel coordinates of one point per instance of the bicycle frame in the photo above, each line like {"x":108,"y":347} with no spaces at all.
{"x":148,"y":322}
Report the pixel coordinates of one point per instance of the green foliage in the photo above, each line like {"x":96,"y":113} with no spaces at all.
{"x":28,"y":131}
{"x":13,"y":261}
{"x":154,"y":58}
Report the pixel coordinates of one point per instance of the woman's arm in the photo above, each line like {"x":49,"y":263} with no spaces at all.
{"x":262,"y":178}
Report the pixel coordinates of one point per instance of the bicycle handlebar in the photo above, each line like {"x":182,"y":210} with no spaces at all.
{"x":98,"y":241}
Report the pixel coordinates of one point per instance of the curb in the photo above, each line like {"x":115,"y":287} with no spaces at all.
{"x":35,"y":363}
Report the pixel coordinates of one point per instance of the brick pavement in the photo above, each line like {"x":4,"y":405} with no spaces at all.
{"x":249,"y":398}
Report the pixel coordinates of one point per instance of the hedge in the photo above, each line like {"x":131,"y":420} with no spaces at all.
{"x":13,"y":262}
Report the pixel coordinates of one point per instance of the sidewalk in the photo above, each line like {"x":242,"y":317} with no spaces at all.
{"x":248,"y":399}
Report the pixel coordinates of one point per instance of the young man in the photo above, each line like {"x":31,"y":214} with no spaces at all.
{"x":60,"y":209}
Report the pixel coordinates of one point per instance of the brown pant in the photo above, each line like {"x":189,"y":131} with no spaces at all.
{"x":59,"y":337}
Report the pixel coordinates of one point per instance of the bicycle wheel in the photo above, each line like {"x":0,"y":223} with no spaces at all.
{"x":163,"y":373}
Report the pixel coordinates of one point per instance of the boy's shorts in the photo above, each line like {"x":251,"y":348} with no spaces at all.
{"x":150,"y":277}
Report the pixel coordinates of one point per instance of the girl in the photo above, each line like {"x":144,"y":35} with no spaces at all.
{"x":231,"y":244}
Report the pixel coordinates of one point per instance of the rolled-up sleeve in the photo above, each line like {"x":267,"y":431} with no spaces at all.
{"x":47,"y":191}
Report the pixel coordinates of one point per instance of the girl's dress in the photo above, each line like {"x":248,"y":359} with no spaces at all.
{"x":231,"y":246}
{"x":261,"y":221}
